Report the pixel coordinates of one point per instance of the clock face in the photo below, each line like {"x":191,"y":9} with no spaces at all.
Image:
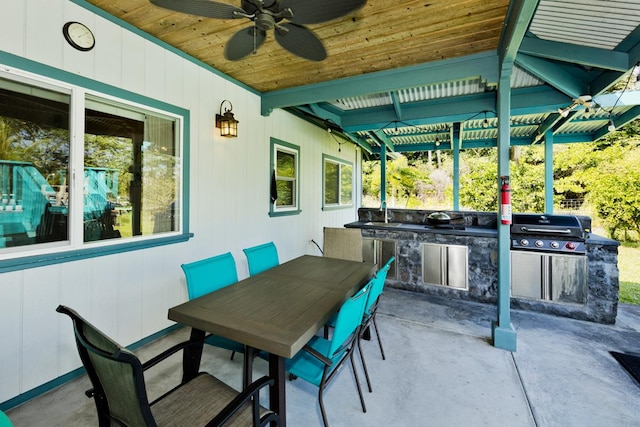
{"x":78,"y":36}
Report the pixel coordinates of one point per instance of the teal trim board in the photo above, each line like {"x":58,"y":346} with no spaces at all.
{"x":76,"y":373}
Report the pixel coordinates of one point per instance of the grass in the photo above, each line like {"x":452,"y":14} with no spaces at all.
{"x":629,"y":266}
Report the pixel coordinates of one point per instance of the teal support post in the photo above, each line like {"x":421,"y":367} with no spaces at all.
{"x":502,"y":332}
{"x":548,"y":172}
{"x":456,"y":166}
{"x":383,"y":176}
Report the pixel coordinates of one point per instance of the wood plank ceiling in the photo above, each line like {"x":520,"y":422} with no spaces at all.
{"x":383,"y":35}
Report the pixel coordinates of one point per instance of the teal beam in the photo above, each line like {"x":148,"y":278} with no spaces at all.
{"x":361,"y":142}
{"x":502,"y":332}
{"x":568,"y":79}
{"x":484,"y":65}
{"x":619,"y":122}
{"x":396,"y":105}
{"x":320,"y":112}
{"x":465,"y":145}
{"x":576,"y":54}
{"x":532,"y":100}
{"x":456,"y":165}
{"x":384,"y":139}
{"x":519,"y":16}
{"x":548,"y":172}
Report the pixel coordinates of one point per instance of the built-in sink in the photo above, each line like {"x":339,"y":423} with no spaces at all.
{"x":383,"y":224}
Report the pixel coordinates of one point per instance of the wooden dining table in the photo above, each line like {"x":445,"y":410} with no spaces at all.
{"x":276,"y":311}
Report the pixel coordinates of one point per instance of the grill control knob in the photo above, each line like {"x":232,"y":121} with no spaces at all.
{"x":524,"y":242}
{"x":571,"y":246}
{"x":554,"y":244}
{"x":539,"y":243}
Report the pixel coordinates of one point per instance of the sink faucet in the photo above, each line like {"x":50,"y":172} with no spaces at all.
{"x":386,"y":213}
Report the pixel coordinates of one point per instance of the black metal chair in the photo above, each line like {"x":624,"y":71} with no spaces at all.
{"x":120,"y":395}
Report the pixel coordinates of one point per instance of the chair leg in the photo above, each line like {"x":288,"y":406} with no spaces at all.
{"x":375,"y":326}
{"x":324,"y":414}
{"x":355,"y":375}
{"x":364,"y":366}
{"x":233,"y":353}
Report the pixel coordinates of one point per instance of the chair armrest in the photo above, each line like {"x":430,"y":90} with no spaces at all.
{"x":312,"y":351}
{"x":252,"y":392}
{"x":170,"y":351}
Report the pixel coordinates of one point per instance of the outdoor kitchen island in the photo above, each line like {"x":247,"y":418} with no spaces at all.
{"x":457,"y":259}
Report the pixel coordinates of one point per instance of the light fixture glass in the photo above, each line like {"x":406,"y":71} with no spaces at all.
{"x":612,"y":126}
{"x":227,"y":124}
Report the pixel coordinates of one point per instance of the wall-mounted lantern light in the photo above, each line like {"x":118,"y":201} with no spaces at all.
{"x":227,"y":124}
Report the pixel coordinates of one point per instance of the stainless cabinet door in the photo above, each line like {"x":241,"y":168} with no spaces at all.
{"x":568,"y":278}
{"x":457,"y":266}
{"x":445,"y":265}
{"x":527,"y":274}
{"x":432,"y":264}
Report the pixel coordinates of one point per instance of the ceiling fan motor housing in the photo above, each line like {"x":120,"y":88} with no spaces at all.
{"x":264,"y":21}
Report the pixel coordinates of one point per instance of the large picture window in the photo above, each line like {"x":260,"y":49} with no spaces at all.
{"x":338,"y":182}
{"x":120,"y":182}
{"x":285,"y":178}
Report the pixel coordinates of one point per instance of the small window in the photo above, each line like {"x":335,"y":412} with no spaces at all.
{"x":338,"y":183}
{"x":285,"y":185}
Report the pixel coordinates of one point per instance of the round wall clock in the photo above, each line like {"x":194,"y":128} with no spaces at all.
{"x":79,"y":36}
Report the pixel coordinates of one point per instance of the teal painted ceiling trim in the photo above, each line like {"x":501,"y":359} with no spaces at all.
{"x":572,"y":138}
{"x":583,"y":55}
{"x":531,"y":100}
{"x":147,"y":36}
{"x":484,"y":65}
{"x":517,"y":22}
{"x":566,"y":78}
{"x":466,"y":145}
{"x":383,"y":139}
{"x":318,"y":111}
{"x":605,"y":81}
{"x":396,"y":105}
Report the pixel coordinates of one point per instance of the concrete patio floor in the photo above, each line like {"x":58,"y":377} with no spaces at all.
{"x":441,"y":370}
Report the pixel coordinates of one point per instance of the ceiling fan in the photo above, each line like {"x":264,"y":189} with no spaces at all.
{"x":267,"y":15}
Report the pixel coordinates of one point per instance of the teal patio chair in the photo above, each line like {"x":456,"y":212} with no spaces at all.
{"x":4,"y":420}
{"x":120,"y":395}
{"x":369,"y":316}
{"x":320,"y":359}
{"x":261,"y":257}
{"x":209,"y":275}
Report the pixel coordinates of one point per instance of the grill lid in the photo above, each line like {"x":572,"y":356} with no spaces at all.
{"x":566,"y":226}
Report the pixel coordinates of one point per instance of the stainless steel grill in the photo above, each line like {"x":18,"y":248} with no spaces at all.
{"x":548,"y":233}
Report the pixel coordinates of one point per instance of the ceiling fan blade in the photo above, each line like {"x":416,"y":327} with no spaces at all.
{"x":300,"y":41}
{"x":314,"y":11}
{"x":243,"y":43}
{"x":206,"y":8}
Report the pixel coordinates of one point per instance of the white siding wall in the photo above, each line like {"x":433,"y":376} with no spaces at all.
{"x":127,"y":295}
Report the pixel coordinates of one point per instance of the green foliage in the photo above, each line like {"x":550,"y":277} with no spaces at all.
{"x":615,"y":194}
{"x":604,"y":173}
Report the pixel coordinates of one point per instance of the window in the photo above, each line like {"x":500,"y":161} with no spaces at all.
{"x":285,"y":186}
{"x":121,"y":182}
{"x":338,"y":182}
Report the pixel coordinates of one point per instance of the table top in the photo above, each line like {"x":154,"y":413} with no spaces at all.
{"x":280,"y":309}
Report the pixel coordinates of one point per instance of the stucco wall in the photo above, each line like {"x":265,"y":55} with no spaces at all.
{"x":127,"y":295}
